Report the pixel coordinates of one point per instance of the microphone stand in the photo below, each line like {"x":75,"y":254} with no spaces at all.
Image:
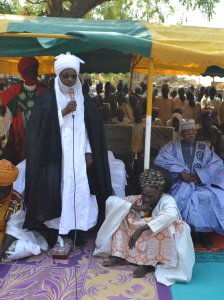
{"x":75,"y":236}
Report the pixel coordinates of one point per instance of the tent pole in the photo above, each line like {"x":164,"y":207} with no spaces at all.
{"x":148,"y":114}
{"x":131,"y":81}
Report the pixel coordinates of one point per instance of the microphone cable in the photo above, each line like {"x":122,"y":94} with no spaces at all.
{"x":75,"y":236}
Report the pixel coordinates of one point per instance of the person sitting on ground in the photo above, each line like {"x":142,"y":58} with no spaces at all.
{"x":20,"y":99}
{"x":106,"y":113}
{"x":147,"y":231}
{"x":177,"y":110}
{"x":207,"y":132}
{"x":121,"y":120}
{"x":192,"y":110}
{"x":177,"y":119}
{"x":15,"y":242}
{"x":198,"y":182}
{"x":155,"y":120}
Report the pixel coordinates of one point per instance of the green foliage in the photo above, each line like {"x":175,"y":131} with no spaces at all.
{"x":148,"y":10}
{"x":10,"y":7}
{"x":113,"y":78}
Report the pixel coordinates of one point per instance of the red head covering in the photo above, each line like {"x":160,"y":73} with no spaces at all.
{"x":23,"y":64}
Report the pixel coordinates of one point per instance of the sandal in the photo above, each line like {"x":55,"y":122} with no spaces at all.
{"x":62,"y":248}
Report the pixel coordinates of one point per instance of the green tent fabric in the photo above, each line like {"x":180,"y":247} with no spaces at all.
{"x":214,"y":71}
{"x":111,"y":45}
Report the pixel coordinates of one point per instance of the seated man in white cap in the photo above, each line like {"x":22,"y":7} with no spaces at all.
{"x":67,"y":170}
{"x":198,"y":188}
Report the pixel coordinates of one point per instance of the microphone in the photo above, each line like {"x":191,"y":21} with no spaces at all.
{"x":72,"y":98}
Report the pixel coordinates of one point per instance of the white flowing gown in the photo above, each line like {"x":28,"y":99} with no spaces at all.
{"x":79,"y":207}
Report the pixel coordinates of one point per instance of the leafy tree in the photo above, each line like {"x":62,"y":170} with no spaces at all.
{"x":154,"y":10}
{"x":10,"y":7}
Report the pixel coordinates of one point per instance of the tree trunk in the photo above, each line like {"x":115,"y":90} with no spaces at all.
{"x":78,"y":8}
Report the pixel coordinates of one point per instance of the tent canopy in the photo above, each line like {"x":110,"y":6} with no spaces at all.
{"x":111,"y":46}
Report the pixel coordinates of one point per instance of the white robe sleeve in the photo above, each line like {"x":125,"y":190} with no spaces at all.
{"x":60,"y":118}
{"x":165,"y":213}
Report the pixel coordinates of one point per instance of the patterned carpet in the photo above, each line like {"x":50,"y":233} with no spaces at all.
{"x":42,"y":278}
{"x":217,"y":241}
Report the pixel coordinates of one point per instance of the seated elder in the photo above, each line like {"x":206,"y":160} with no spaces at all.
{"x":198,"y":188}
{"x":15,"y":242}
{"x":146,"y":230}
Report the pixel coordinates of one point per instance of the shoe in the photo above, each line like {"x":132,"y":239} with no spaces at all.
{"x":205,"y":240}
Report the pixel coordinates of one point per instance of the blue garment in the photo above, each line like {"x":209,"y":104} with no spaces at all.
{"x":201,"y":206}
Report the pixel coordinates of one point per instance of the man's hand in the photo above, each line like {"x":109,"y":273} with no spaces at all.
{"x":70,"y":107}
{"x":89,"y":159}
{"x":136,"y":235}
{"x":186,"y":177}
{"x":189,"y":178}
{"x":144,"y":207}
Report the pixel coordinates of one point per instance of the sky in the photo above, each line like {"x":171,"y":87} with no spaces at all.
{"x":196,"y":18}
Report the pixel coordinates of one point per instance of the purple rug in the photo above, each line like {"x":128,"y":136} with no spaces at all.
{"x":117,"y":283}
{"x":42,"y":278}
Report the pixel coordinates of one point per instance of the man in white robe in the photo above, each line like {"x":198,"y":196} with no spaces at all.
{"x":156,"y":238}
{"x":67,"y":168}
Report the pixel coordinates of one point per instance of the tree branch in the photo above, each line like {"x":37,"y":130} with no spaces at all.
{"x":35,"y":2}
{"x":79,"y":7}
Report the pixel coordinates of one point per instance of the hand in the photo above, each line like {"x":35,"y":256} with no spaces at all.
{"x":196,"y":178}
{"x":89,"y":159}
{"x":136,"y":235}
{"x":70,"y":107}
{"x":186,"y":177}
{"x":144,"y":207}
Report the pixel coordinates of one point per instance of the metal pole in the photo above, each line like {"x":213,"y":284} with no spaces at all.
{"x":148,"y":114}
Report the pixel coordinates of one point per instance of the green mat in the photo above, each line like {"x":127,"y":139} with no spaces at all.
{"x":207,"y":281}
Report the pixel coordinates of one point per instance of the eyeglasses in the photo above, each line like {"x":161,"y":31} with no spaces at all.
{"x":67,"y":75}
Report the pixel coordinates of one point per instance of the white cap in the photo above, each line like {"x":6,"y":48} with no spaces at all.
{"x":187,"y":125}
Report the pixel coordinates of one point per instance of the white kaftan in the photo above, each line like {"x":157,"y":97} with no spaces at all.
{"x":165,"y":215}
{"x":79,"y":212}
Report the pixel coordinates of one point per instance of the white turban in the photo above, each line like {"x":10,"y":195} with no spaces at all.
{"x":67,"y":61}
{"x":190,"y":124}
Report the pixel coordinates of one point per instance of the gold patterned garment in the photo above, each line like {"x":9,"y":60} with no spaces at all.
{"x":8,"y":206}
{"x":149,"y":249}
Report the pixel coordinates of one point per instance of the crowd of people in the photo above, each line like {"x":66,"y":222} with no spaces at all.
{"x":62,"y":183}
